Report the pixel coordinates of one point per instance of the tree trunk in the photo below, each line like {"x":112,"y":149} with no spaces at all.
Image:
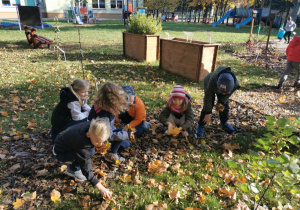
{"x":295,"y":10}
{"x":216,"y":15}
{"x":225,"y":5}
{"x":287,"y":14}
{"x":199,"y":16}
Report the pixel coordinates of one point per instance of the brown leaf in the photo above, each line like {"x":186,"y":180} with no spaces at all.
{"x":43,"y":172}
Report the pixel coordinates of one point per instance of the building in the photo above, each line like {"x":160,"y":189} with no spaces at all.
{"x":54,"y":8}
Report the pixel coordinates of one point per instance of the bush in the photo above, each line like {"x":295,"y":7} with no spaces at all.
{"x":141,"y":24}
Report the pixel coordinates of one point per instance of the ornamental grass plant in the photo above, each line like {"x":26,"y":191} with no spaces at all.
{"x":141,"y":24}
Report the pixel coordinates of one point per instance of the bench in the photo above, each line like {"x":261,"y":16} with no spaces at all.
{"x":35,"y":39}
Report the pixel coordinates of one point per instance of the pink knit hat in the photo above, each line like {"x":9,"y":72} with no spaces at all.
{"x":178,"y":92}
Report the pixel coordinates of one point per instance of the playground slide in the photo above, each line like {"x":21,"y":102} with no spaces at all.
{"x":247,"y":20}
{"x":223,"y":18}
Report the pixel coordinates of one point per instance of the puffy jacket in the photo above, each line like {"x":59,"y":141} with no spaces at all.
{"x":293,"y":50}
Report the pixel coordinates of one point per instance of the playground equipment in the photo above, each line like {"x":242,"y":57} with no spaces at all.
{"x":130,"y":8}
{"x":242,"y":16}
{"x":79,"y":13}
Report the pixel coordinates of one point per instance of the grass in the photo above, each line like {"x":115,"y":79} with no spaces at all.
{"x":31,"y":80}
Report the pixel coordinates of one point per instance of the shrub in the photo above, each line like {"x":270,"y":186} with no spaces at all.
{"x":141,"y":24}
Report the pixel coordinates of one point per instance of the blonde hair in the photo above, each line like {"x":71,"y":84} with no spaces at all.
{"x":112,"y":98}
{"x":79,"y":84}
{"x":100,"y":128}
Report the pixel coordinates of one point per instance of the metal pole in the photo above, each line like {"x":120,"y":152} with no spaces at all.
{"x":82,"y":57}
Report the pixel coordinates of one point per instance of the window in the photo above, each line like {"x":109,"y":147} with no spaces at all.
{"x":116,"y":4}
{"x":98,"y":4}
{"x":10,"y":2}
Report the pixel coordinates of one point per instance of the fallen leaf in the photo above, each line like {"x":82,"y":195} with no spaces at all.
{"x":55,"y":195}
{"x":19,"y":203}
{"x":29,"y":196}
{"x":62,"y":168}
{"x":173,"y":130}
{"x":43,"y":172}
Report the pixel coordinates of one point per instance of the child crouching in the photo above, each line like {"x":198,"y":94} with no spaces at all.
{"x":110,"y":100}
{"x":77,"y":144}
{"x":178,"y":111}
{"x":135,"y":116}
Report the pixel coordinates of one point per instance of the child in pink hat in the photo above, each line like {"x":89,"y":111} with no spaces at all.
{"x":178,"y":111}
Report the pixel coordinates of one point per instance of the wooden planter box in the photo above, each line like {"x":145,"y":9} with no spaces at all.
{"x":141,"y":47}
{"x":191,"y":60}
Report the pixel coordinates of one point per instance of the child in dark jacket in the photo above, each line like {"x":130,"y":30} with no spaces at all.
{"x":222,"y":83}
{"x":76,"y":144}
{"x":178,"y":111}
{"x":110,"y":100}
{"x":72,"y":107}
{"x":135,"y":116}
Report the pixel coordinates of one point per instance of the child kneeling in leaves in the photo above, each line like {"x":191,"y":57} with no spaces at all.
{"x":109,"y":102}
{"x":77,"y":144}
{"x":135,"y":116}
{"x":178,"y":112}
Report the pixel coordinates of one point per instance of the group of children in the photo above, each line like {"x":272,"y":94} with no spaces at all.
{"x":78,"y":128}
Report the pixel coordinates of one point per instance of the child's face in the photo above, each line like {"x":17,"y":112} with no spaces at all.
{"x":95,"y":140}
{"x":177,"y":101}
{"x":83,"y":93}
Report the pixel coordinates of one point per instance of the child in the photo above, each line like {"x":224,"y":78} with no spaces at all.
{"x":76,"y":144}
{"x":110,"y":100}
{"x":178,"y":111}
{"x":289,"y":28}
{"x":135,"y":116}
{"x":72,"y":108}
{"x":222,"y":83}
{"x":293,"y":62}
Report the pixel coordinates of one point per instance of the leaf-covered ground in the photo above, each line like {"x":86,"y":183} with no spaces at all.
{"x":160,"y":171}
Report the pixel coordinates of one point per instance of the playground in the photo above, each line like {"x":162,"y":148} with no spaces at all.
{"x":194,"y":174}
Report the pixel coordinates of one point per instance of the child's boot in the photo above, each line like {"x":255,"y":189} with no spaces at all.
{"x":75,"y":174}
{"x":200,"y":131}
{"x":227,"y":127}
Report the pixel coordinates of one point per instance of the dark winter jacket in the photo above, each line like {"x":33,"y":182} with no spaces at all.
{"x":210,"y":88}
{"x":293,"y":50}
{"x":61,"y":115}
{"x":74,"y":139}
{"x":110,"y":118}
{"x":189,"y":115}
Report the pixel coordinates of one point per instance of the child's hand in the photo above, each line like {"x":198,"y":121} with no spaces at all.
{"x":207,"y":119}
{"x":126,"y":127}
{"x":106,"y":194}
{"x":170,"y":125}
{"x":180,"y":128}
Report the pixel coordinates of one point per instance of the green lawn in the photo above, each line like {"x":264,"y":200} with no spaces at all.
{"x":30,"y":84}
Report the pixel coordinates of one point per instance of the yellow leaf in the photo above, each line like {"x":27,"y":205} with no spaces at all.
{"x":117,"y":161}
{"x":174,"y":131}
{"x":282,"y":102}
{"x":101,"y":173}
{"x":202,"y":199}
{"x":62,"y":168}
{"x":89,"y":76}
{"x":207,"y":189}
{"x":54,"y":195}
{"x":126,"y":178}
{"x":103,"y":149}
{"x":18,"y":204}
{"x":4,"y":114}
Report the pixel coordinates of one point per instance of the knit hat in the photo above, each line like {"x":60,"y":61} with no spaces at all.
{"x":128,"y":89}
{"x":225,"y":83}
{"x":178,"y":92}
